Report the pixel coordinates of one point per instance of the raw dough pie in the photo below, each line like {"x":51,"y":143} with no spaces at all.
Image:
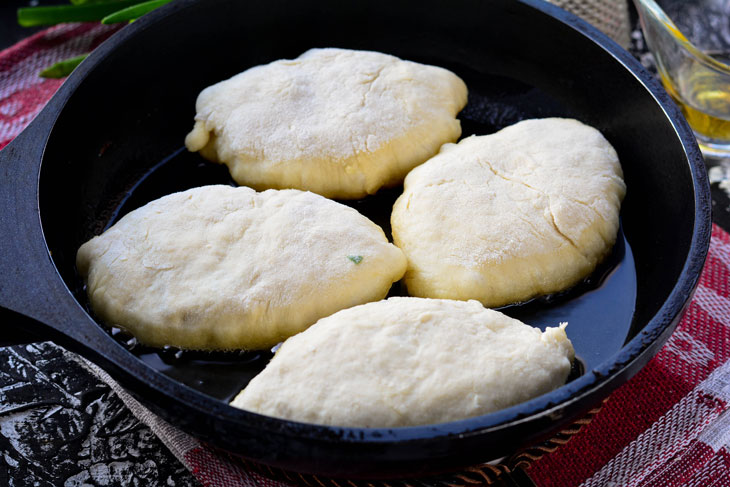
{"x":529,"y":210}
{"x":408,"y":361}
{"x":336,"y":122}
{"x":218,"y":267}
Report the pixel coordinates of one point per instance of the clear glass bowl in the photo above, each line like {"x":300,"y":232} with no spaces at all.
{"x":692,"y":56}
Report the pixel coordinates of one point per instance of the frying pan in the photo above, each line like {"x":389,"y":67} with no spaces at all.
{"x":111,"y":140}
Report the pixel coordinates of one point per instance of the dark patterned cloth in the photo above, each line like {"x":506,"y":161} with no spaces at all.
{"x":61,"y":425}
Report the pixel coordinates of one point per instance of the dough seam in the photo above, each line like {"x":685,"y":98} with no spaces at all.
{"x":543,"y":193}
{"x":370,"y":84}
{"x":550,"y":206}
{"x":551,"y":221}
{"x":559,"y":232}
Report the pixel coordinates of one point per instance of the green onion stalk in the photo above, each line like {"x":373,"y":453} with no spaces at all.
{"x":104,"y":11}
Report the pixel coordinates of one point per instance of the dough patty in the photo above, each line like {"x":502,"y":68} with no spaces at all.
{"x":529,"y":210}
{"x":408,"y":361}
{"x":336,"y":122}
{"x":226,"y":268}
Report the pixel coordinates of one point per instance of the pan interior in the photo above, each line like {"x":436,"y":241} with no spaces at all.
{"x":599,"y":310}
{"x":117,"y":143}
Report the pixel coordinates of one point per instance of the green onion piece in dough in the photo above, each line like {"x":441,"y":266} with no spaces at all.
{"x":33,"y":16}
{"x":133,"y":12}
{"x":355,"y":258}
{"x":62,"y":68}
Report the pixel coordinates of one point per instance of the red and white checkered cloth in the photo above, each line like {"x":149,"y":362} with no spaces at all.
{"x":668,"y":426}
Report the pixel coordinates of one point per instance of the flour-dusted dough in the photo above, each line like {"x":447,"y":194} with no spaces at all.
{"x":529,"y":210}
{"x":408,"y":361}
{"x":337,"y":122}
{"x":218,"y":267}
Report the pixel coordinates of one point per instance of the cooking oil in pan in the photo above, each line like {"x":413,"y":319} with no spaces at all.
{"x":599,"y":311}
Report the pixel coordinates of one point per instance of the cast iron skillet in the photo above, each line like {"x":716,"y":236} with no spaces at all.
{"x":110,"y":140}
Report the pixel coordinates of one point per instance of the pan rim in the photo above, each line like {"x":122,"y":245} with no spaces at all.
{"x":544,"y":406}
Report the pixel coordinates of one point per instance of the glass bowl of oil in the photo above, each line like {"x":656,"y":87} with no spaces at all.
{"x":690,"y":41}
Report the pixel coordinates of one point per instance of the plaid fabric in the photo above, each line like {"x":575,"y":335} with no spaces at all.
{"x":668,"y":426}
{"x":22,"y":92}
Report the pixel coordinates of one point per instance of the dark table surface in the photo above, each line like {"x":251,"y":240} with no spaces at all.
{"x":61,"y":425}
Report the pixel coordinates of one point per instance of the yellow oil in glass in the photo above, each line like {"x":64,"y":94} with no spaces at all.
{"x":704,"y":98}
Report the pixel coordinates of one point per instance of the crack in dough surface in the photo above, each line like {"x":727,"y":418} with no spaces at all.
{"x":536,"y":212}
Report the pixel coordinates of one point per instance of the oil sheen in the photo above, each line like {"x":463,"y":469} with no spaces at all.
{"x":599,"y":311}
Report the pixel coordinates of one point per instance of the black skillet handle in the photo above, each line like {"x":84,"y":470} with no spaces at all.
{"x":19,"y":176}
{"x":35,"y":304}
{"x":29,"y":283}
